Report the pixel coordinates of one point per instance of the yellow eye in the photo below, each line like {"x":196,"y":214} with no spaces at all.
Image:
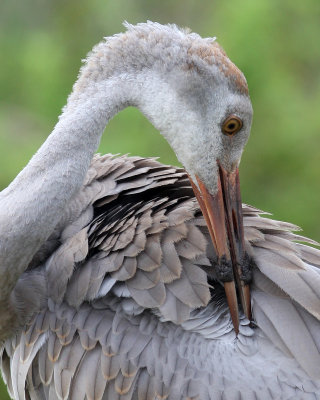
{"x":231,"y":125}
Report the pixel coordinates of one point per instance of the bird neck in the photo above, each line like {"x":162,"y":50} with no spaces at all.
{"x":32,"y":205}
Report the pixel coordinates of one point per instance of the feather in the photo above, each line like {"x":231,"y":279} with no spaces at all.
{"x":161,"y":390}
{"x":81,"y":222}
{"x":128,"y":369}
{"x":52,"y":395}
{"x":140,"y":343}
{"x":100,"y":329}
{"x":285,"y":319}
{"x":60,"y":265}
{"x":144,"y":279}
{"x":277,"y":244}
{"x":145,"y":385}
{"x":123,"y":384}
{"x":54,"y":347}
{"x":95,"y":383}
{"x":285,"y":259}
{"x":171,"y":266}
{"x":110,"y":367}
{"x":140,"y":240}
{"x":55,"y":323}
{"x":159,"y":223}
{"x":62,"y":375}
{"x":130,"y":307}
{"x":132,"y":250}
{"x":120,"y":324}
{"x":127,"y":270}
{"x":149,"y":298}
{"x":266,"y":224}
{"x":25,"y":347}
{"x":147,"y":324}
{"x":133,"y":172}
{"x":150,"y":258}
{"x":105,"y":287}
{"x":78,"y":285}
{"x":300,"y":283}
{"x":42,"y":323}
{"x":99,"y":286}
{"x":64,"y":331}
{"x":309,"y":254}
{"x":253,"y":234}
{"x":65,"y":340}
{"x":126,"y":237}
{"x":192,"y":288}
{"x":194,"y":245}
{"x":180,"y":215}
{"x":121,"y":290}
{"x":145,"y":222}
{"x":266,"y":285}
{"x":173,"y":309}
{"x":20,"y":370}
{"x":87,"y":342}
{"x":45,"y":366}
{"x":113,"y":262}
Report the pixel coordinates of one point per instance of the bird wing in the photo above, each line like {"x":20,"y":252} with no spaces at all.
{"x":132,"y":252}
{"x":286,"y":288}
{"x":133,"y":233}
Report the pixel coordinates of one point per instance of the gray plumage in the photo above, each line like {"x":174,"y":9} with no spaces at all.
{"x":120,"y":299}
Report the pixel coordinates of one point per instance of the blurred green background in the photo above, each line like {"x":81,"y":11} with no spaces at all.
{"x":274,"y":42}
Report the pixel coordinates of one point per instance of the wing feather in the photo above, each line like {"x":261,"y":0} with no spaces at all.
{"x":45,"y":366}
{"x":146,"y":387}
{"x":285,"y":319}
{"x":301,"y":284}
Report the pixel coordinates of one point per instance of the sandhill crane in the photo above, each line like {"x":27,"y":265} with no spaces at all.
{"x":114,"y":285}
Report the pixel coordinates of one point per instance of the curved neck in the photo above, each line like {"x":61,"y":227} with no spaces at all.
{"x":31,"y":206}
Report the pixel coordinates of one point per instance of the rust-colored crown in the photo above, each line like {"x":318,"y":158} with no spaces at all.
{"x":213,"y":54}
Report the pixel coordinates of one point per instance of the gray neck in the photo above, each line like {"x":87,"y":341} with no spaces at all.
{"x":30,"y":207}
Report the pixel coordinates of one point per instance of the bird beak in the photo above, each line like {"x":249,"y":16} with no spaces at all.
{"x":223,"y":215}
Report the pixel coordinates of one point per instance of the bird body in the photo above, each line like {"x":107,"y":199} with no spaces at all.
{"x":111,"y":283}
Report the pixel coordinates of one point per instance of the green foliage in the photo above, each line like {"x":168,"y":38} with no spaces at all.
{"x":274,"y":42}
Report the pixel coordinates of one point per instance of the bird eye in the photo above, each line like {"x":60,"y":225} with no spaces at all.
{"x":231,"y":125}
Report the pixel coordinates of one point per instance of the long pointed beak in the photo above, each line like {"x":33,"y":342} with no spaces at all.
{"x":223,"y":215}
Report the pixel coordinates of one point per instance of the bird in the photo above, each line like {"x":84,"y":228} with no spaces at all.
{"x":126,"y":279}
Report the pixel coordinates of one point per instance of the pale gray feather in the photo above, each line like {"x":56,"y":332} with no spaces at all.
{"x":105,"y":348}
